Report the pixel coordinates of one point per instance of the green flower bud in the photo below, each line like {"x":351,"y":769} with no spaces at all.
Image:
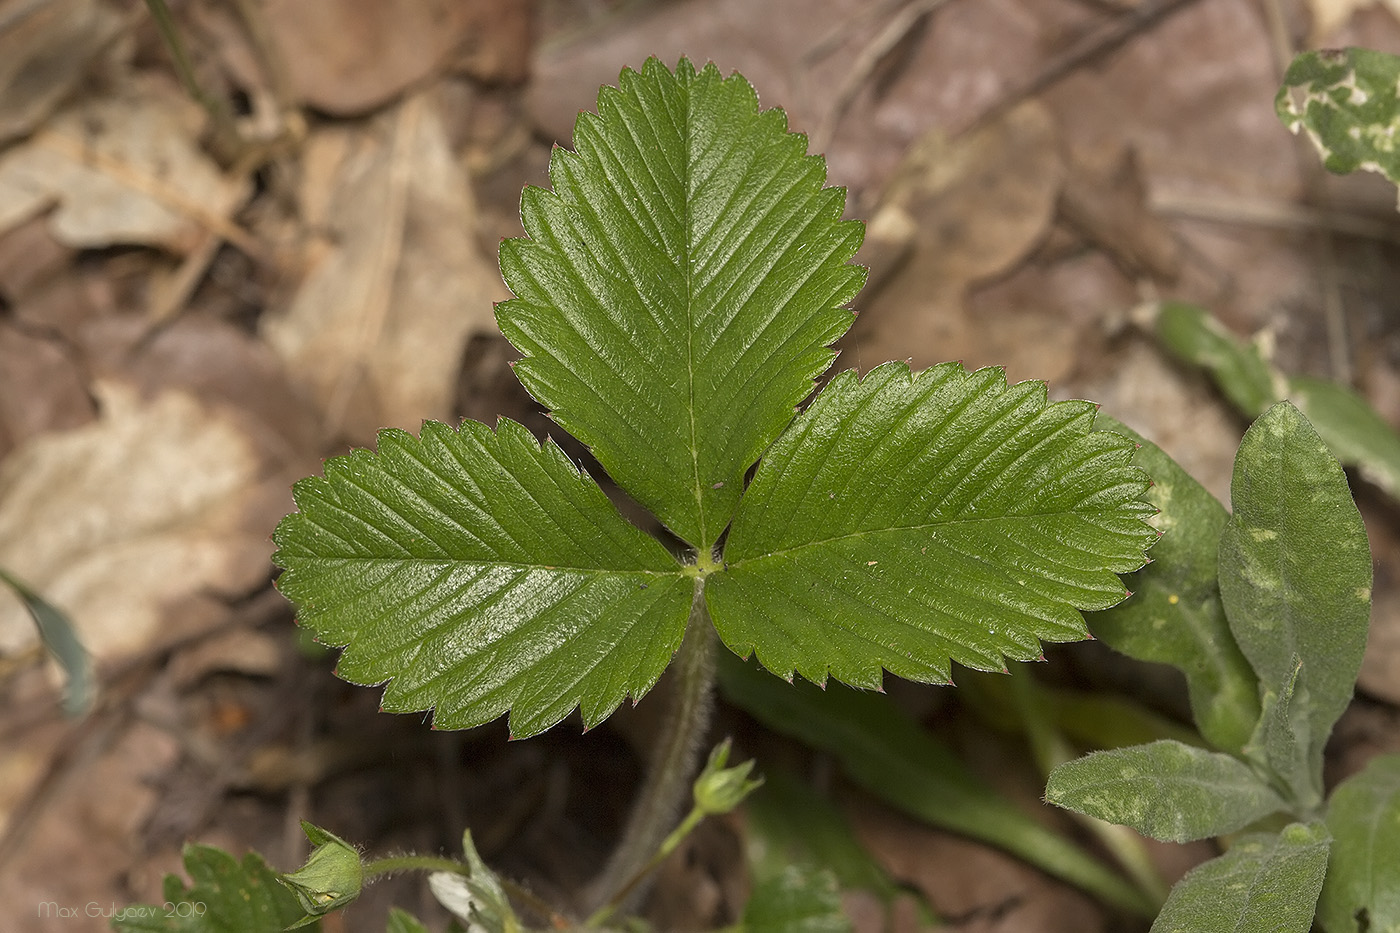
{"x":719,"y":789}
{"x":330,"y":879}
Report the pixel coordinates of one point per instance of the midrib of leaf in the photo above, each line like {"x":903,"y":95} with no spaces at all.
{"x":690,"y":333}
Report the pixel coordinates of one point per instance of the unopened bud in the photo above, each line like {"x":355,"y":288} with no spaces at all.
{"x":330,"y":879}
{"x":719,"y":789}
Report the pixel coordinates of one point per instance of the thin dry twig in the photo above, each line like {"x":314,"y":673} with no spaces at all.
{"x":1276,"y":215}
{"x":866,"y":60}
{"x":1095,"y":44}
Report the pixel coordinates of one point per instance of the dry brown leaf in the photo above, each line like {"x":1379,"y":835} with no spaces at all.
{"x":1330,"y":15}
{"x":41,"y":388}
{"x":1108,"y":206}
{"x":119,"y":521}
{"x":45,"y":49}
{"x":80,"y":849}
{"x":347,"y":57}
{"x":975,"y":887}
{"x":121,"y":169}
{"x":970,"y":208}
{"x":376,"y":330}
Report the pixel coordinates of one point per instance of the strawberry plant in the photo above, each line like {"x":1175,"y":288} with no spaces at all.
{"x":677,"y":294}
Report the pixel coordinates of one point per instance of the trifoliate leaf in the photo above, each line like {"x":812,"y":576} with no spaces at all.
{"x":679,"y":288}
{"x":1166,"y":790}
{"x":224,"y":896}
{"x":1295,"y":577}
{"x":481,"y":572}
{"x":1266,"y":883}
{"x":912,"y":518}
{"x":1347,"y":101}
{"x":1175,"y":616}
{"x":1362,"y":892}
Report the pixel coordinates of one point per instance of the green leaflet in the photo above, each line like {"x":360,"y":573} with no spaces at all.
{"x":1266,"y":883}
{"x":680,"y":287}
{"x":1175,"y":616}
{"x":478,"y":571}
{"x":224,"y":896}
{"x":1295,"y":577}
{"x":1354,"y":432}
{"x":1346,"y":100}
{"x":1362,"y":892}
{"x":907,"y":519}
{"x":887,"y":753}
{"x":1166,"y":790}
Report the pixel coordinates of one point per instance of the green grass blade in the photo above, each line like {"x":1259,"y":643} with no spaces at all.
{"x":888,"y":754}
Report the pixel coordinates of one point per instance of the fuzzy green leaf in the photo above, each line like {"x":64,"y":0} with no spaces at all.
{"x":1346,"y":100}
{"x":225,"y":895}
{"x":1295,"y":577}
{"x":1362,"y":892}
{"x":1354,"y":432}
{"x":1239,"y":369}
{"x":912,"y":518}
{"x":1352,"y":429}
{"x":1266,"y":883}
{"x":1175,"y":616}
{"x":680,"y":287}
{"x":481,"y":572}
{"x":790,"y":823}
{"x":1166,"y":790}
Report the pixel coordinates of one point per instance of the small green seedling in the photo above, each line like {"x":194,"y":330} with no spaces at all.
{"x":1265,"y":610}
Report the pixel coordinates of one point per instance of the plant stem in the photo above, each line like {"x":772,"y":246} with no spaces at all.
{"x":1051,"y":750}
{"x":226,"y":141}
{"x":392,"y":863}
{"x":672,"y":764}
